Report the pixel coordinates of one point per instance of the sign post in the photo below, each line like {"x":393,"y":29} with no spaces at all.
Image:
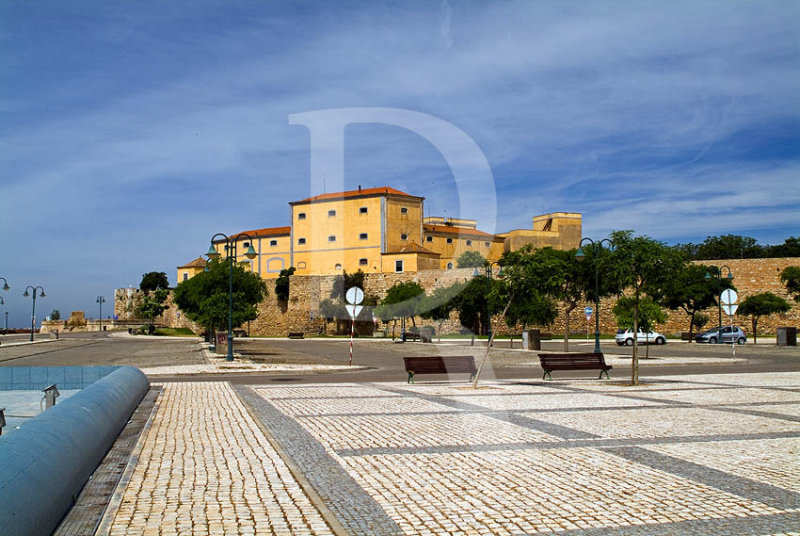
{"x":728,"y":299}
{"x":588,"y":311}
{"x":354,"y":296}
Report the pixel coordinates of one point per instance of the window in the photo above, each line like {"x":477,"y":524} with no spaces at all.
{"x":185,"y":276}
{"x":301,"y":240}
{"x":331,"y":213}
{"x":469,"y":242}
{"x":273,"y":243}
{"x":429,"y":238}
{"x":449,"y":240}
{"x":363,"y":262}
{"x":403,"y":210}
{"x":332,"y":238}
{"x":486,"y":244}
{"x":362,"y":210}
{"x":246,"y":245}
{"x":338,"y":266}
{"x":404,"y":236}
{"x":449,"y":265}
{"x":362,"y":236}
{"x":301,"y":215}
{"x":398,"y":266}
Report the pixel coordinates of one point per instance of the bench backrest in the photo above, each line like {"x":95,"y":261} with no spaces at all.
{"x":440,"y":364}
{"x":576,"y":359}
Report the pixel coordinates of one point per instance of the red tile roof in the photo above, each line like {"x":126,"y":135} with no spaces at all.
{"x":259,"y":233}
{"x":461,"y":231}
{"x":413,"y":247}
{"x":362,"y":192}
{"x":199,"y":262}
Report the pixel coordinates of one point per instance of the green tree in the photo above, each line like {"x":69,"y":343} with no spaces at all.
{"x":790,"y":276}
{"x":55,"y":315}
{"x":789,"y":248}
{"x":470,"y":259}
{"x":440,"y":303}
{"x":700,"y":320}
{"x":282,"y":283}
{"x":692,"y":292}
{"x":650,"y":314}
{"x":204,"y":297}
{"x":645,"y":267}
{"x":402,"y":300}
{"x":763,"y":304}
{"x":154,"y":281}
{"x":729,"y":247}
{"x":153,"y":304}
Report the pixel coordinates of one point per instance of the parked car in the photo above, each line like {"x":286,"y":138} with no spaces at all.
{"x":625,"y":337}
{"x":725,"y":334}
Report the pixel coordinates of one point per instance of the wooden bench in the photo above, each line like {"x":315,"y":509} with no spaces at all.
{"x":576,"y":361}
{"x":445,"y":364}
{"x":296,"y":334}
{"x":410,"y":334}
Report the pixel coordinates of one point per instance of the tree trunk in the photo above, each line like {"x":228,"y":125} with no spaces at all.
{"x":489,"y":346}
{"x":755,"y":329}
{"x":566,"y":330}
{"x":691,"y":325}
{"x":635,"y":359}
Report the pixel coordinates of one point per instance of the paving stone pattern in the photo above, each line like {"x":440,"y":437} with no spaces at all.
{"x":715,"y":454}
{"x":206,"y":468}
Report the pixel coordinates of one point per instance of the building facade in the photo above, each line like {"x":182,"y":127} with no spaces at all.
{"x":380,"y":230}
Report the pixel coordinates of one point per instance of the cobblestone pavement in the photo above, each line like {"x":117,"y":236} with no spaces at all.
{"x":205,"y":467}
{"x":713,"y":454}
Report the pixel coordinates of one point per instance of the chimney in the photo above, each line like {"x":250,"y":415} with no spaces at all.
{"x":359,"y":188}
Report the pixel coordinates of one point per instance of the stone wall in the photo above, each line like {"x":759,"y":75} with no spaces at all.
{"x":301,"y":312}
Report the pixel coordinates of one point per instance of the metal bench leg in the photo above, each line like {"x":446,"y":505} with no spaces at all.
{"x":472,"y":376}
{"x":604,"y":372}
{"x":410,"y":377}
{"x":546,"y":375}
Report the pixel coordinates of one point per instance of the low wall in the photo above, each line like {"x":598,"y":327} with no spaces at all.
{"x":47,"y":461}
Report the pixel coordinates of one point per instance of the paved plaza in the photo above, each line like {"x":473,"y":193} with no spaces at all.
{"x":707,"y":454}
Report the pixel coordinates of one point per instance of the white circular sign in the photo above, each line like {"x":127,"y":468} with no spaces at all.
{"x":588,"y":311}
{"x":354,"y":295}
{"x":729,"y":297}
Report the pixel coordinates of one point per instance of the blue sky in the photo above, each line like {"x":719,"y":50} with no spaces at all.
{"x":131,"y":132}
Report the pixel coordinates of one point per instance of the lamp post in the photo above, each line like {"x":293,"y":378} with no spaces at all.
{"x":5,"y":287}
{"x":729,"y":277}
{"x":488,"y":269}
{"x":5,"y":283}
{"x":33,"y":312}
{"x":101,"y":300}
{"x":230,"y":255}
{"x":580,"y":255}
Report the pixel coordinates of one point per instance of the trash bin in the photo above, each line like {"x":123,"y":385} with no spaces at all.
{"x":787,"y":336}
{"x":222,"y":342}
{"x":532,"y":339}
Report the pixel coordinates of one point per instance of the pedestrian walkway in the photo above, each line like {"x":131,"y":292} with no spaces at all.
{"x":714,"y":454}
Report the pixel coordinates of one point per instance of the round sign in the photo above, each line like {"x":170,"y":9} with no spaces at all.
{"x":354,"y":295}
{"x":729,"y":297}
{"x":588,"y":311}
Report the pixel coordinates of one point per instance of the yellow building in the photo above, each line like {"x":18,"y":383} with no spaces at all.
{"x":381,"y":230}
{"x":191,"y":269}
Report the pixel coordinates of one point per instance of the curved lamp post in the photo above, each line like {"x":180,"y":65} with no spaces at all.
{"x":5,"y":287}
{"x":5,"y":283}
{"x":580,"y":255}
{"x":729,"y":277}
{"x":33,"y":312}
{"x":101,"y":300}
{"x":230,"y":255}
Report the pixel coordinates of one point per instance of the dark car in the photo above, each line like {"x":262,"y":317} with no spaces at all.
{"x":725,"y":334}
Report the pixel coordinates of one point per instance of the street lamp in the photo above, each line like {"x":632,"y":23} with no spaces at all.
{"x":580,"y":255}
{"x":230,"y":255}
{"x":729,"y":277}
{"x":33,"y":312}
{"x":101,"y":300}
{"x":5,"y":283}
{"x":5,"y":287}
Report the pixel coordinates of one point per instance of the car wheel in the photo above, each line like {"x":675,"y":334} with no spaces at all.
{"x":712,"y":340}
{"x":660,"y":340}
{"x":740,"y":340}
{"x":628,"y":342}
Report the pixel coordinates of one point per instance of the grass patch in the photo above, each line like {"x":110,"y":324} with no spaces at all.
{"x":175,"y":332}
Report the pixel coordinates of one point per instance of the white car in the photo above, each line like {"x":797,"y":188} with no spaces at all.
{"x":625,"y":337}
